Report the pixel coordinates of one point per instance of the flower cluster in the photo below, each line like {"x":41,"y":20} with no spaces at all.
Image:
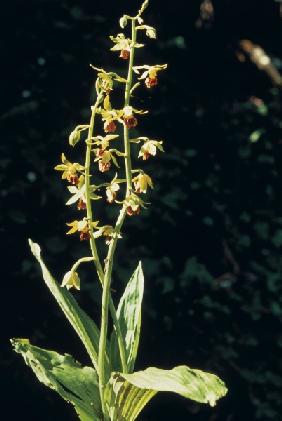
{"x":105,"y":150}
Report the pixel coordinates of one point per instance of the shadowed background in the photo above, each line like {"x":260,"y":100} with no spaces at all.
{"x":211,"y":240}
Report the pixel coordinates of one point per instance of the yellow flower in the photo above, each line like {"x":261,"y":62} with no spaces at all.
{"x":121,"y":43}
{"x":105,"y":82}
{"x":133,"y":204}
{"x":150,"y":73}
{"x":104,"y":158}
{"x":104,"y":141}
{"x":109,"y":116}
{"x":141,"y":182}
{"x":111,"y":192}
{"x":71,"y":280}
{"x":82,"y":227}
{"x":149,"y":148}
{"x":69,"y":170}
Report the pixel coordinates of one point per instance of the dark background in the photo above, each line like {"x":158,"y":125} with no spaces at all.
{"x":211,"y":240}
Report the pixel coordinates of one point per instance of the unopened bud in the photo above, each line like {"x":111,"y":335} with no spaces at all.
{"x":151,"y":32}
{"x":74,"y":137}
{"x":123,"y":21}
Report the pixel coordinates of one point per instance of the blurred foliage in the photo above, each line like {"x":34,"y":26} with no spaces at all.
{"x":211,"y":239}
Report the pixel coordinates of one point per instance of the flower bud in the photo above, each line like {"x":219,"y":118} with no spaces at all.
{"x":123,"y":21}
{"x":74,"y":137}
{"x":151,"y":32}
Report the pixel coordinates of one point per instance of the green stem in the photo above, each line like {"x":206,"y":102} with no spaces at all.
{"x":93,"y":246}
{"x":112,"y":246}
{"x":87,"y":188}
{"x":79,"y":261}
{"x":127,"y":158}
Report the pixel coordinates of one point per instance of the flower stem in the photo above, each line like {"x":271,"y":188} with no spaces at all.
{"x":93,"y":247}
{"x":119,"y":223}
{"x":87,"y":188}
{"x":127,"y":158}
{"x":82,"y":260}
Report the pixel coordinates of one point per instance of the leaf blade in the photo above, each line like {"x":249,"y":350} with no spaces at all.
{"x":129,"y":318}
{"x":127,"y":394}
{"x":84,"y":326}
{"x":61,"y":373}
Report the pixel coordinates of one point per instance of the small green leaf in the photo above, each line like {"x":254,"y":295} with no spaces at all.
{"x":127,"y":394}
{"x":129,"y":317}
{"x":80,"y":321}
{"x":75,"y":384}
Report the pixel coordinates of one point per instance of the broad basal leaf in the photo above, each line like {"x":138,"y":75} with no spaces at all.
{"x":80,"y":321}
{"x":129,"y":317}
{"x":127,"y":394}
{"x":76,"y":384}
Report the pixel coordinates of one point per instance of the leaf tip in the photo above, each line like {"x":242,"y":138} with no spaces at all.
{"x":17,"y":342}
{"x":34,"y":247}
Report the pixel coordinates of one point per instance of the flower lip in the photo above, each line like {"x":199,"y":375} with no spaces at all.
{"x":124,"y":54}
{"x":150,"y":82}
{"x":130,"y":122}
{"x":110,"y":126}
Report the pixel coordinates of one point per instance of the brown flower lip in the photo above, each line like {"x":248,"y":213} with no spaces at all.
{"x":130,"y":122}
{"x":73,"y":179}
{"x":83,"y":236}
{"x":124,"y":54}
{"x":104,"y":166}
{"x":81,"y":205}
{"x":100,"y":152}
{"x":110,"y":126}
{"x":151,"y":81}
{"x":132,"y":212}
{"x":146,"y":155}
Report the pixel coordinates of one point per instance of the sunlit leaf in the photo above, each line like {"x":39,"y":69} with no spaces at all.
{"x":127,"y":394}
{"x":80,"y":321}
{"x":74,"y":383}
{"x":129,"y":317}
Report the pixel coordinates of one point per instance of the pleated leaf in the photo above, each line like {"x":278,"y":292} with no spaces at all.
{"x":129,"y":317}
{"x":61,"y":373}
{"x":80,"y":321}
{"x":127,"y":394}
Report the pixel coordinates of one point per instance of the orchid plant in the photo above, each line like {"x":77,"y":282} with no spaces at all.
{"x":109,"y":389}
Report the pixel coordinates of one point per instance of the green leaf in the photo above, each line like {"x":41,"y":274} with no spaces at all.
{"x":80,"y":321}
{"x":129,"y":317}
{"x":75,"y":384}
{"x":127,"y":394}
